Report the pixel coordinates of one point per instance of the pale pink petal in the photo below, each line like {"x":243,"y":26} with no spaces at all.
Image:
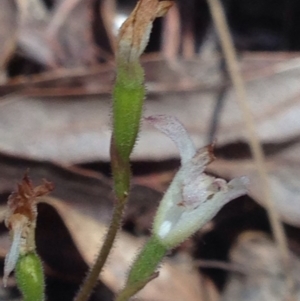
{"x":236,"y":188}
{"x":171,"y":127}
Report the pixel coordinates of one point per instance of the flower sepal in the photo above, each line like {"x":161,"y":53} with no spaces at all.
{"x":193,"y":197}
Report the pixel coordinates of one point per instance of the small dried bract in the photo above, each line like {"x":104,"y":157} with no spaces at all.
{"x":193,"y":197}
{"x":21,"y":218}
{"x":135,"y":31}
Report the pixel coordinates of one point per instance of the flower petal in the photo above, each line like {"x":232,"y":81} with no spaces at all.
{"x":171,"y":127}
{"x":193,"y":198}
{"x":12,"y":256}
{"x":196,"y":184}
{"x":174,"y":224}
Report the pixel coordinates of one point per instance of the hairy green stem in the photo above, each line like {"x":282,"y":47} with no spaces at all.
{"x":30,"y":277}
{"x":144,"y":267}
{"x":92,"y":277}
{"x":128,"y":96}
{"x":121,"y":173}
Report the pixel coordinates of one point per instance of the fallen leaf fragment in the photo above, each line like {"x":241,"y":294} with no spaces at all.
{"x":77,"y":131}
{"x":283,"y":173}
{"x":260,"y":271}
{"x":8,"y":31}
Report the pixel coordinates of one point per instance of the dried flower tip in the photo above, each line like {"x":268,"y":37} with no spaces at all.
{"x":21,"y":220}
{"x":24,"y":200}
{"x":135,"y":31}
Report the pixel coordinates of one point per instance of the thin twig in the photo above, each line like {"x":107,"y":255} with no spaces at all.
{"x":219,"y":105}
{"x":171,"y":34}
{"x":258,"y":155}
{"x":216,"y":264}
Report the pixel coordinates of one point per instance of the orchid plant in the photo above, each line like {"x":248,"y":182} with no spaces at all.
{"x":192,"y":199}
{"x":21,"y":219}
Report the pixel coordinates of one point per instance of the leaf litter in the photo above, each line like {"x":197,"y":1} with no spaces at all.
{"x":84,"y":200}
{"x":63,"y":116}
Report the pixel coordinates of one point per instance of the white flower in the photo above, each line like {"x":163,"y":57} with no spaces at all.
{"x":193,"y":197}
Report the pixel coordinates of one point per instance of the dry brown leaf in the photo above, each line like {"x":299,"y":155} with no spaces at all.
{"x":284,"y":177}
{"x":72,"y":39}
{"x":8,"y":31}
{"x":260,"y":271}
{"x":32,"y":20}
{"x":56,"y":38}
{"x":72,"y":130}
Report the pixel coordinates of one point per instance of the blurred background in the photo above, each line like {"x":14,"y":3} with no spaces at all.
{"x":56,"y":75}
